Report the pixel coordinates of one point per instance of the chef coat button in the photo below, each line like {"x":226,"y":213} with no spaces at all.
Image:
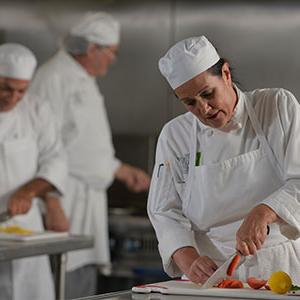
{"x":210,"y":132}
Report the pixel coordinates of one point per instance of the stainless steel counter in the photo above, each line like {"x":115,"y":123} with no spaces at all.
{"x":13,"y":250}
{"x":56,"y":248}
{"x":128,"y":295}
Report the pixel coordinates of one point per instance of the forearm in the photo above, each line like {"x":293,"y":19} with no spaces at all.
{"x":37,"y":187}
{"x":184,"y":257}
{"x":266,"y":213}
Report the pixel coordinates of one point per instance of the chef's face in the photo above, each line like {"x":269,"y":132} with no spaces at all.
{"x":209,"y":97}
{"x":11,"y":92}
{"x":102,"y":58}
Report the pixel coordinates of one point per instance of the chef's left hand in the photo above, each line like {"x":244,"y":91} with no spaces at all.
{"x":253,"y":231}
{"x":20,"y":202}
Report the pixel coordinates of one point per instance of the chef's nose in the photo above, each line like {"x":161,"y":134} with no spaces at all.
{"x":203,"y":105}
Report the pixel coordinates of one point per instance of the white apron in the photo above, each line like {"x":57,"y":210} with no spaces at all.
{"x":28,"y":278}
{"x":220,"y":195}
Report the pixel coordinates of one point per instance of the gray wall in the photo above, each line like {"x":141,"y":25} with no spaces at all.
{"x":261,"y":39}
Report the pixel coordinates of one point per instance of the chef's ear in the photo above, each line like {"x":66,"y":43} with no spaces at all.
{"x":226,"y":74}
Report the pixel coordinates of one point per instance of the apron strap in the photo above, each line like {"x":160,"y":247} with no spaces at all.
{"x":262,"y":139}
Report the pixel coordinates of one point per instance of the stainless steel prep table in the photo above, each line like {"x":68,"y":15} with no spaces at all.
{"x":56,"y":247}
{"x":128,"y":295}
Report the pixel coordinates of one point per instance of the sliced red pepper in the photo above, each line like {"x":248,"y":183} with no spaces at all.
{"x":234,"y":263}
{"x":256,"y":283}
{"x":230,"y":284}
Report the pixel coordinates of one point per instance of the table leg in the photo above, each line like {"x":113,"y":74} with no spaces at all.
{"x":59,"y":261}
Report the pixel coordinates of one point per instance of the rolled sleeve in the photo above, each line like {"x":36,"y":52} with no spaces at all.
{"x":285,"y":202}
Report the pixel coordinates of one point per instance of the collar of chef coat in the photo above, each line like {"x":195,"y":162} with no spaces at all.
{"x":74,"y":66}
{"x":238,"y":119}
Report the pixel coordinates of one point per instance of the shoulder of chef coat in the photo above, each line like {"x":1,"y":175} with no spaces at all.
{"x":175,"y":137}
{"x":60,"y":74}
{"x":275,"y":108}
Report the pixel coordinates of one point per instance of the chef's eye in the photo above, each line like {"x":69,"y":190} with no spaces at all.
{"x":207,"y":95}
{"x":189,"y":102}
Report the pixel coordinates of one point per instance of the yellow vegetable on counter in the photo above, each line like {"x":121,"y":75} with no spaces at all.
{"x":280,"y":282}
{"x":15,"y":229}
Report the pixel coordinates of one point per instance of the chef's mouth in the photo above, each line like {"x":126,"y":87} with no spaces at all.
{"x":213,"y":116}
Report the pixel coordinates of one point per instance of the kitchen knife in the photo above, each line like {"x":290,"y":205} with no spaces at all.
{"x":4,"y":216}
{"x":221,"y":272}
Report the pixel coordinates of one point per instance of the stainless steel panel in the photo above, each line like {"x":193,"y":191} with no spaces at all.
{"x":260,"y":38}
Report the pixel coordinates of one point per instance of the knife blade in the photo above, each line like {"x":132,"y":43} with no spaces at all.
{"x":221,"y":272}
{"x":4,"y":216}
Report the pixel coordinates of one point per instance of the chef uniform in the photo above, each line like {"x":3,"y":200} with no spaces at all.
{"x":29,"y":148}
{"x":253,"y":160}
{"x":81,"y":116}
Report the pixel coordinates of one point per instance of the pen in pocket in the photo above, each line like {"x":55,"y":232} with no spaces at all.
{"x":198,"y":159}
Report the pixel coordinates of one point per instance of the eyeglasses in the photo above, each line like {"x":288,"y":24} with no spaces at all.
{"x":112,"y":53}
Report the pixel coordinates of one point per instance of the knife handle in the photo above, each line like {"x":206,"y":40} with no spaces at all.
{"x":268,"y":229}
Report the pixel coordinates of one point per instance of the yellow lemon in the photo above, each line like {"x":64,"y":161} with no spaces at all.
{"x":280,"y":282}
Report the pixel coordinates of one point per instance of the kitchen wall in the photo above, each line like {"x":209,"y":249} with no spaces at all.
{"x":260,"y":38}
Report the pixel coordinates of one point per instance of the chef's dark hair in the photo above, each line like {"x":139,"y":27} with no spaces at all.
{"x":216,"y":69}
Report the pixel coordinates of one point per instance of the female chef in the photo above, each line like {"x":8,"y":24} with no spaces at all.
{"x":225,"y":170}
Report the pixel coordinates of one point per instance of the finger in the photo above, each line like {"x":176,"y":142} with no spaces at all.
{"x":258,"y":244}
{"x":206,"y":269}
{"x":242,"y":247}
{"x":203,"y":268}
{"x":251,"y":247}
{"x":210,"y":263}
{"x":199,"y":276}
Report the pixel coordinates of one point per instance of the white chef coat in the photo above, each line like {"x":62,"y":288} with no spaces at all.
{"x":29,"y":148}
{"x":277,"y":112}
{"x":81,"y":116}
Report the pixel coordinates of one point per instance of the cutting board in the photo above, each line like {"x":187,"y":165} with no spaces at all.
{"x":185,"y":287}
{"x":35,"y":236}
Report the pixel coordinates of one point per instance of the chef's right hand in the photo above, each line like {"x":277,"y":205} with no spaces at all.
{"x":134,"y":178}
{"x":197,"y":268}
{"x":20,"y":202}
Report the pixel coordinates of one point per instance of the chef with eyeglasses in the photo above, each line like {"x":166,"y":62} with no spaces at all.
{"x":32,"y":164}
{"x":225,"y":170}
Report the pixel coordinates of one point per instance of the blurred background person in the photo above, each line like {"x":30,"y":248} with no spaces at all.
{"x":68,"y":82}
{"x":32,"y":164}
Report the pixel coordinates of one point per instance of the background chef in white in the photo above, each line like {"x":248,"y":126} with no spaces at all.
{"x":68,"y":82}
{"x":31,"y":164}
{"x":225,"y":170}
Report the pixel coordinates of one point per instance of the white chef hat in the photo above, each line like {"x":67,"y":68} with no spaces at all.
{"x":16,"y":61}
{"x":187,"y":59}
{"x":100,"y":28}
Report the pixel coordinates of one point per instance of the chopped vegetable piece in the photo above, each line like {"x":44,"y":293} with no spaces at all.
{"x":15,"y":229}
{"x":295,"y":288}
{"x":256,"y":283}
{"x":231,"y":284}
{"x":234,"y":263}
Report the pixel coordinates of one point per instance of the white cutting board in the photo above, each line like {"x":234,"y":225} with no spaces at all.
{"x":184,"y":287}
{"x":35,"y":236}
